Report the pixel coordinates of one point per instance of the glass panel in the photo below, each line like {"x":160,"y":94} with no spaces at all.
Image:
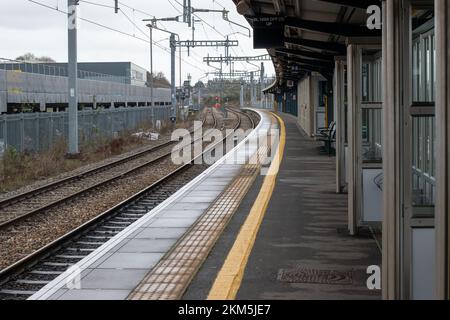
{"x":371,"y":105}
{"x":371,"y":76}
{"x":322,"y":93}
{"x":423,"y":158}
{"x":423,"y":56}
{"x":423,"y":161}
{"x":372,"y":143}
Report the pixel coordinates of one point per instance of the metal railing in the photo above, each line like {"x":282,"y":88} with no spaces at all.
{"x":50,"y":69}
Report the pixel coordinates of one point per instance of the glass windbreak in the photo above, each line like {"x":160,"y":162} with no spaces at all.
{"x":371,"y":93}
{"x":423,"y":56}
{"x":371,"y":124}
{"x":371,"y":77}
{"x":322,"y":93}
{"x":423,"y":157}
{"x":423,"y":161}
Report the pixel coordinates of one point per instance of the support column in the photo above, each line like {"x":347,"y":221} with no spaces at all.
{"x":261,"y":94}
{"x":241,"y":98}
{"x":339,"y":111}
{"x":173,"y":92}
{"x":252,"y":95}
{"x":391,"y":156}
{"x":354,"y":138}
{"x":442,"y":14}
{"x":72,"y":77}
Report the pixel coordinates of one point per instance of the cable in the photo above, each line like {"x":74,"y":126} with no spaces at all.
{"x":97,"y":4}
{"x":89,"y":21}
{"x":176,"y":9}
{"x":115,"y":30}
{"x":137,"y":27}
{"x":195,"y":15}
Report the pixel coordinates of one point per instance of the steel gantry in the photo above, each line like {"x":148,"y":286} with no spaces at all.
{"x":208,"y":43}
{"x":264,"y":57}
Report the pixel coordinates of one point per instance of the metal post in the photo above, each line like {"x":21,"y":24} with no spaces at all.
{"x":73,"y":75}
{"x":262,"y":85}
{"x":242,"y":95}
{"x":172,"y":76}
{"x":252,"y":96}
{"x":199,"y":98}
{"x":151,"y":76}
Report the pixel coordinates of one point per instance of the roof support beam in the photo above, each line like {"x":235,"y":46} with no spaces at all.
{"x":307,"y":54}
{"x":314,"y":44}
{"x":310,"y":62}
{"x":341,"y":29}
{"x":306,"y":67}
{"x":362,"y":4}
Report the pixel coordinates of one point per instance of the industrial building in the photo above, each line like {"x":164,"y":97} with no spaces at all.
{"x":44,"y":87}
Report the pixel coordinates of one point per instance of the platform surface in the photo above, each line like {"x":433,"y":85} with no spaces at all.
{"x":302,"y":249}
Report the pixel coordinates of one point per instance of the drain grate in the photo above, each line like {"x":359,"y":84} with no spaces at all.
{"x":303,"y":275}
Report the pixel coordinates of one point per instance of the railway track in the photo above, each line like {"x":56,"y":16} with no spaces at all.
{"x":27,"y":276}
{"x":24,"y":205}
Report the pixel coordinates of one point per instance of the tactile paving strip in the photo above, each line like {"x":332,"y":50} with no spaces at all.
{"x":169,"y":279}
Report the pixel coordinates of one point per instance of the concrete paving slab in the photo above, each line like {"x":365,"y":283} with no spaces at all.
{"x":126,"y":260}
{"x":160,"y":233}
{"x":105,"y":279}
{"x":197,"y":199}
{"x":190,"y":214}
{"x":209,"y":187}
{"x":210,"y":193}
{"x":172,"y":223}
{"x":89,"y":294}
{"x":147,"y":245}
{"x":190,"y":206}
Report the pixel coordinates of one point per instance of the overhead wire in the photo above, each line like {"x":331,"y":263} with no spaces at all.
{"x":114,"y":29}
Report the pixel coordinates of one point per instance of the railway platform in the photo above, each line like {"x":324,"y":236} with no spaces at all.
{"x":234,"y":232}
{"x":302,"y":249}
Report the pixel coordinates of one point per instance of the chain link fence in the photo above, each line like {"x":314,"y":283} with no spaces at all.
{"x":38,"y":132}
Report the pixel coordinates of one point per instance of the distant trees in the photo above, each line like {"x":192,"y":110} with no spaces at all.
{"x":30,"y":57}
{"x":199,"y":84}
{"x":159,"y":80}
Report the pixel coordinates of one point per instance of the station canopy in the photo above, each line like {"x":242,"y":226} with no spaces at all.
{"x":305,"y":36}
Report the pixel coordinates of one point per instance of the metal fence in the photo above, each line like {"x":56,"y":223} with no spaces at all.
{"x":38,"y":132}
{"x":57,"y":70}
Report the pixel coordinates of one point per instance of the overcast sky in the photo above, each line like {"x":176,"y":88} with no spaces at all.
{"x":29,"y":27}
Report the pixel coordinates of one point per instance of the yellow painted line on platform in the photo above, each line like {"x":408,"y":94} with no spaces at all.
{"x":229,"y":278}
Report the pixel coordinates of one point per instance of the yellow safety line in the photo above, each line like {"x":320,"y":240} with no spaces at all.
{"x":229,"y":278}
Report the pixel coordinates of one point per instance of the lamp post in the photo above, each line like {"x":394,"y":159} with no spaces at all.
{"x":152,"y":26}
{"x":151,"y":66}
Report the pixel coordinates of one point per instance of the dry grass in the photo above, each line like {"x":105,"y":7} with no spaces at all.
{"x":21,"y":169}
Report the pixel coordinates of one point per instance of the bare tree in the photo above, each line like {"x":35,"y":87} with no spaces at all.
{"x":32,"y":58}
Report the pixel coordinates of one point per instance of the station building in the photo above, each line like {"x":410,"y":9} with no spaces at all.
{"x":376,"y":75}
